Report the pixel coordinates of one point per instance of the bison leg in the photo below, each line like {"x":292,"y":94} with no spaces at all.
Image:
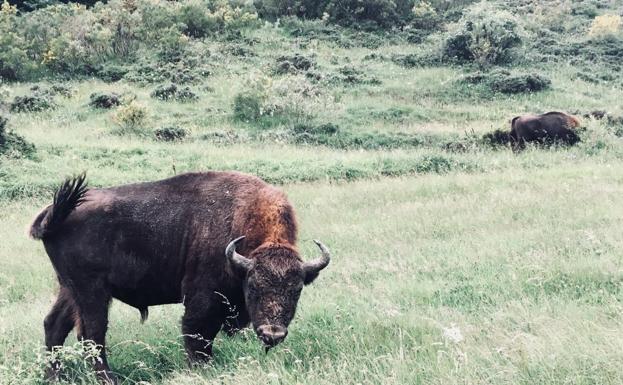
{"x":93,"y":308}
{"x":57,"y":325}
{"x":201,"y":323}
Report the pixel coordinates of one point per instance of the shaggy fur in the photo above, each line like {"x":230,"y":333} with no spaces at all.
{"x":548,"y":128}
{"x":163,"y":242}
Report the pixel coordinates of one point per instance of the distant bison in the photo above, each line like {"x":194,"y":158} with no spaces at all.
{"x":171,"y":241}
{"x":548,"y":128}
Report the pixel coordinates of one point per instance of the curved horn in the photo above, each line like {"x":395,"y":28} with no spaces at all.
{"x":236,"y":259}
{"x":318,"y":264}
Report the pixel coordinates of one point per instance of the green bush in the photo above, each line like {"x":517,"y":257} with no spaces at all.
{"x":514,"y":84}
{"x":510,"y":83}
{"x":350,"y":75}
{"x":484,"y":35}
{"x":170,"y":134}
{"x":104,"y":40}
{"x":293,"y":64}
{"x":292,"y":99}
{"x":248,"y":106}
{"x":384,"y":13}
{"x":104,"y":101}
{"x":425,"y":16}
{"x":164,"y":92}
{"x":131,"y":117}
{"x":186,"y":95}
{"x":496,"y":138}
{"x":32,"y":103}
{"x":11,"y":144}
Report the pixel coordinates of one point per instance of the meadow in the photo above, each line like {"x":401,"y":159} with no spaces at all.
{"x":455,"y":260}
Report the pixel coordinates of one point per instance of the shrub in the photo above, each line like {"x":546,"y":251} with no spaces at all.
{"x":194,"y":18}
{"x":248,"y":106}
{"x":112,"y":72}
{"x":425,"y":16}
{"x":289,"y":99}
{"x":186,"y":95}
{"x":104,"y":101}
{"x":605,"y":25}
{"x":164,"y":92}
{"x":484,"y":35}
{"x":496,"y":138}
{"x":11,"y":144}
{"x":510,"y":83}
{"x":384,"y":13}
{"x":310,"y":129}
{"x":32,"y":103}
{"x":59,"y":89}
{"x":197,"y":20}
{"x":514,"y":84}
{"x":350,"y":75}
{"x":170,"y":134}
{"x":293,"y":64}
{"x":131,"y":117}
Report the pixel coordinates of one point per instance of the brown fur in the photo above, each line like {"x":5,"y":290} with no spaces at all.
{"x":163,"y":242}
{"x":548,"y":128}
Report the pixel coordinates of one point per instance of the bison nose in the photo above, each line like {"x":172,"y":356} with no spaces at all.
{"x":271,"y":335}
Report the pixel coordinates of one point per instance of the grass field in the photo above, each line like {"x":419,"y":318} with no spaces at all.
{"x":451,"y":265}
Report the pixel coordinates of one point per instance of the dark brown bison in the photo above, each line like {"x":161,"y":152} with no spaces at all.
{"x":170,"y":241}
{"x":548,"y":128}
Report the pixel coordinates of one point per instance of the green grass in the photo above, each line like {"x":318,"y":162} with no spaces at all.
{"x":526,"y":266}
{"x":519,"y":253}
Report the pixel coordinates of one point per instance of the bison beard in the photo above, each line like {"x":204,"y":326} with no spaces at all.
{"x":171,"y":241}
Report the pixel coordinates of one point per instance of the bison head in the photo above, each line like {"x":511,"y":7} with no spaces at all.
{"x":274,"y":278}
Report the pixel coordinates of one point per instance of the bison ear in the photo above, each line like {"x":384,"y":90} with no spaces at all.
{"x":311,"y":269}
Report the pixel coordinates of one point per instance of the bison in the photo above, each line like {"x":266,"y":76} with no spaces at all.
{"x":548,"y":128}
{"x":221,"y":243}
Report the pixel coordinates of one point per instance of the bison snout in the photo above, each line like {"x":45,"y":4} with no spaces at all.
{"x":271,"y":335}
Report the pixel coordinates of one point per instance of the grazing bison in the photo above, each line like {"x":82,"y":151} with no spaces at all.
{"x":170,"y":241}
{"x":548,"y":128}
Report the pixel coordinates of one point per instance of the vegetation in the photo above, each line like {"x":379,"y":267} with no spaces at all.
{"x":456,"y":260}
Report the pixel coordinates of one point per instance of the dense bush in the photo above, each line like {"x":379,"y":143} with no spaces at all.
{"x":288,"y":99}
{"x":509,"y":83}
{"x":71,"y":39}
{"x":104,"y":101}
{"x":514,"y":84}
{"x":385,"y":13}
{"x":32,"y":103}
{"x":170,"y":134}
{"x":293,"y":64}
{"x":164,"y":92}
{"x":484,"y":35}
{"x":496,"y":138}
{"x":130,"y":117}
{"x":350,"y":75}
{"x":11,"y":144}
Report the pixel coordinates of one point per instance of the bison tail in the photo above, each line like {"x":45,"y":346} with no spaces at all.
{"x":70,"y":195}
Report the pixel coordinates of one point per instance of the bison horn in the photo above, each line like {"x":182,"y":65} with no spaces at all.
{"x":312,"y":268}
{"x":236,"y":259}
